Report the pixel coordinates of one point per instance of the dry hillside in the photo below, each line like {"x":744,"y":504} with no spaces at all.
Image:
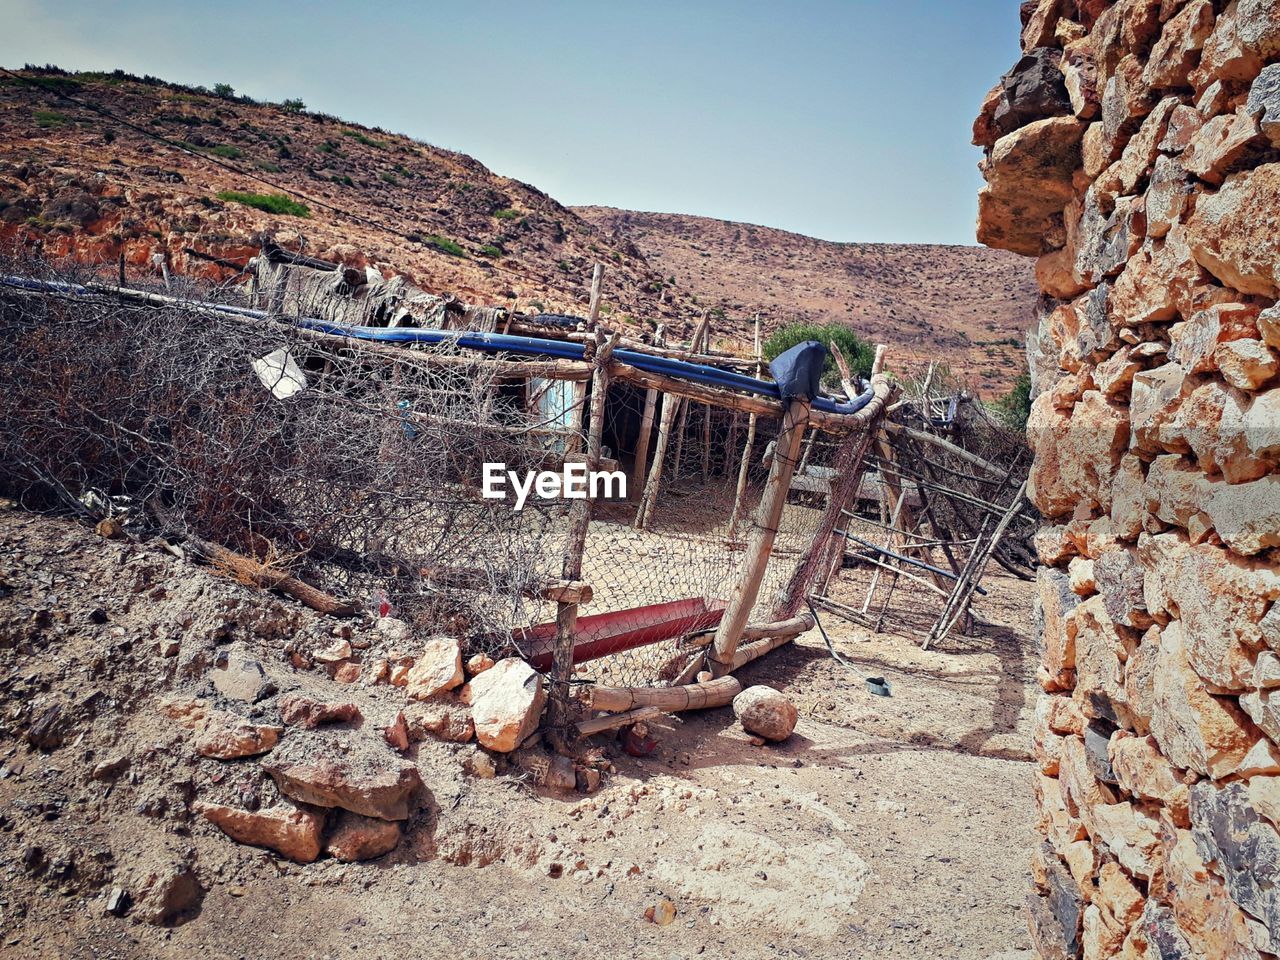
{"x":89,"y":185}
{"x":968,"y":306}
{"x":74,"y":181}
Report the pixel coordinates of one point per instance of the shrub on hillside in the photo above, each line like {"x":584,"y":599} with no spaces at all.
{"x":857,"y":351}
{"x":276,"y":203}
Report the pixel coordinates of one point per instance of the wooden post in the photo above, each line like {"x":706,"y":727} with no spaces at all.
{"x":593,"y":311}
{"x":576,"y":410}
{"x":699,"y":332}
{"x":646,"y":429}
{"x":706,"y":415}
{"x":644,"y":513}
{"x":756,"y":560}
{"x":745,"y":465}
{"x":561,"y":709}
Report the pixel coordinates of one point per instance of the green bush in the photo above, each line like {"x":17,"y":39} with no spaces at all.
{"x":1014,"y":407}
{"x":489,"y":250}
{"x":48,"y":118}
{"x":224,"y":90}
{"x":507,"y":213}
{"x":276,"y":203}
{"x":359,"y":137}
{"x":227,"y":152}
{"x":293,"y":106}
{"x":857,"y":351}
{"x":445,"y":245}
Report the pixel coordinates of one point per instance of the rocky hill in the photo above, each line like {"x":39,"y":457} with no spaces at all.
{"x":966,"y":306}
{"x":82,"y":184}
{"x":83,"y":174}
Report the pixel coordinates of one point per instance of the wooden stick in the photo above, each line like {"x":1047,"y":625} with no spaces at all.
{"x":261,"y":575}
{"x":612,"y":721}
{"x":692,"y":696}
{"x":768,"y":515}
{"x":597,"y":281}
{"x":745,"y":465}
{"x":642,"y":442}
{"x":648,"y":501}
{"x":561,"y":709}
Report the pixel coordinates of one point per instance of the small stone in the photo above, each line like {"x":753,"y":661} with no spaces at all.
{"x":396,"y":733}
{"x":290,"y":830}
{"x":109,"y":528}
{"x":662,"y":913}
{"x":765,"y":712}
{"x":300,"y":710}
{"x":355,"y":837}
{"x":588,"y":779}
{"x":480,"y":764}
{"x":239,"y":677}
{"x":348,"y":672}
{"x":438,"y":668}
{"x":118,"y":902}
{"x":111,"y":768}
{"x":478,"y":664}
{"x":440,"y":719}
{"x":559,"y":774}
{"x":396,"y":631}
{"x":225,"y":736}
{"x":355,"y":773}
{"x":337,"y":652}
{"x":506,"y":704}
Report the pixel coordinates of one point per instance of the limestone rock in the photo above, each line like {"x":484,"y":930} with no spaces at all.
{"x":1246,"y":363}
{"x":765,"y":712}
{"x":1246,"y":35}
{"x":1176,"y":490}
{"x":1128,"y":498}
{"x":1245,"y":848}
{"x":300,"y":710}
{"x":1080,"y":78}
{"x":1178,"y":49}
{"x":239,"y":677}
{"x":440,"y":719}
{"x":1232,"y":235}
{"x":506,"y":704}
{"x":1143,"y":771}
{"x":1118,"y":894}
{"x":1247,"y":515}
{"x":1264,"y":102}
{"x":225,"y":736}
{"x":353,"y":772}
{"x":1194,"y":729}
{"x":1195,"y":344}
{"x":1139,"y":679}
{"x":1222,"y":145}
{"x":1118,"y":575}
{"x":1211,"y":923}
{"x":1099,"y":667}
{"x":290,"y":830}
{"x":1076,"y":457}
{"x":355,"y":837}
{"x":1130,"y":835}
{"x":1029,"y":180}
{"x":438,"y":668}
{"x":1057,"y":630}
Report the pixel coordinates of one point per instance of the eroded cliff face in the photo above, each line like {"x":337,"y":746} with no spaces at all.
{"x":1135,"y":151}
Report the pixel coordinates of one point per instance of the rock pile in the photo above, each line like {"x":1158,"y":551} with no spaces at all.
{"x":1142,"y":172}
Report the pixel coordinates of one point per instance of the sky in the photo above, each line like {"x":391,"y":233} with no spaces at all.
{"x":848,"y":121}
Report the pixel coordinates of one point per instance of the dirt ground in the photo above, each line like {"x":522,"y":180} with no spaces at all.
{"x":884,"y":827}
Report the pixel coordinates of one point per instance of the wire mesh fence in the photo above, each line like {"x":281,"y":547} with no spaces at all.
{"x":359,"y":468}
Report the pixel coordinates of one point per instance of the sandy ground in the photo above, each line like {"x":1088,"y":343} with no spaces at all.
{"x":888,"y":828}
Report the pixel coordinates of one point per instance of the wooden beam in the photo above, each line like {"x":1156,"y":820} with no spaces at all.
{"x":769,"y":513}
{"x":692,"y":696}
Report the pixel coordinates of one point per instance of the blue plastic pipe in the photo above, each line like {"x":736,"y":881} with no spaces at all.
{"x":498,"y":343}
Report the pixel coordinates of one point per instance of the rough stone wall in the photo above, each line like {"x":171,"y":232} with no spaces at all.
{"x":1134,"y":151}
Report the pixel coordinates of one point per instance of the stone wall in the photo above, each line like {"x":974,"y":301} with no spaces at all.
{"x":1134,"y":151}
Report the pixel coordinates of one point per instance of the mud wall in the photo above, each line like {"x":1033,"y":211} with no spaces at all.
{"x":1133,"y":152}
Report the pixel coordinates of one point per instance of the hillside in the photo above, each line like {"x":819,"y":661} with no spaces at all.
{"x":74,"y":182}
{"x":966,"y":306}
{"x":87,"y":185}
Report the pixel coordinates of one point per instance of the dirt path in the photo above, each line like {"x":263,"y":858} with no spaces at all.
{"x":887,"y":828}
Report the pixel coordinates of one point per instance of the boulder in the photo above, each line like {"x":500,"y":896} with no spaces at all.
{"x":238,"y":676}
{"x":765,"y":712}
{"x":1076,"y":456}
{"x":1195,"y":343}
{"x":1246,"y":363}
{"x":1100,"y":650}
{"x":1029,"y":181}
{"x":355,"y":837}
{"x":1230,"y":834}
{"x":1264,"y":102}
{"x":353,"y":772}
{"x":300,"y":710}
{"x":1177,"y":51}
{"x":438,"y":668}
{"x":506,"y":704}
{"x":1247,"y":515}
{"x":1211,"y":923}
{"x":290,"y":830}
{"x":1195,"y":729}
{"x":225,"y":736}
{"x":1222,"y":145}
{"x":1245,"y":36}
{"x":441,"y":720}
{"x":1232,"y":234}
{"x":1033,"y":89}
{"x":1131,"y":836}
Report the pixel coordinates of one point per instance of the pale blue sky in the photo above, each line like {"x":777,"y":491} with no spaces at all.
{"x":843,"y":120}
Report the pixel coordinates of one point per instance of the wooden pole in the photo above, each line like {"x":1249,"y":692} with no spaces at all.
{"x":745,"y":465}
{"x":646,"y":428}
{"x":768,"y":515}
{"x":693,"y":696}
{"x":597,"y":282}
{"x":576,"y":410}
{"x":561,"y":708}
{"x":644,"y":513}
